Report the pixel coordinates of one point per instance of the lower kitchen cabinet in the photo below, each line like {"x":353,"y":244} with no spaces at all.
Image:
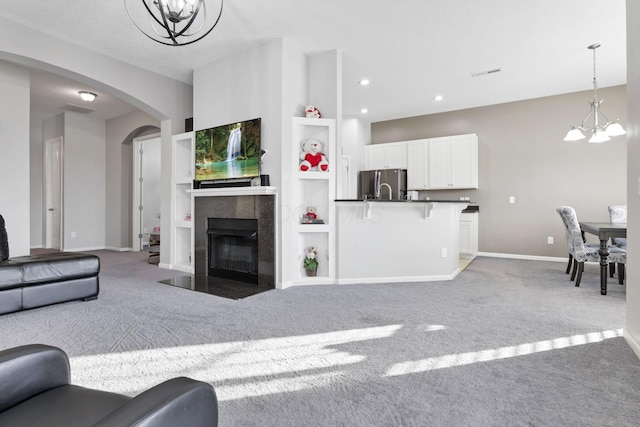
{"x":469,"y":235}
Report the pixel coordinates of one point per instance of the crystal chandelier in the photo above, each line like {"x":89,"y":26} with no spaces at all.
{"x":174,"y":22}
{"x":600,"y":132}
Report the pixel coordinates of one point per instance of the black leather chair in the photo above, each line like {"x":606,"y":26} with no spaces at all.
{"x":35,"y":391}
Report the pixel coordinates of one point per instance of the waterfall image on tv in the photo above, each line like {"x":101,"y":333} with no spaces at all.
{"x":228,"y":152}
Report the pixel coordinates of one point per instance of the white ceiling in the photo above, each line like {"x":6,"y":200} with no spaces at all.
{"x":411,"y":50}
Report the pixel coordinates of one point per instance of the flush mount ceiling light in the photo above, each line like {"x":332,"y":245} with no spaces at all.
{"x":87,"y":96}
{"x":438,"y":98}
{"x":364,"y":82}
{"x":174,"y":22}
{"x":599,"y":132}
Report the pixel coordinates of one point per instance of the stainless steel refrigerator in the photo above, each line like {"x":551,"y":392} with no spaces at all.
{"x":383,"y":184}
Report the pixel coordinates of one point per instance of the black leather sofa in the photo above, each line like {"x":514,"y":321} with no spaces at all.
{"x":35,"y":391}
{"x":39,"y":280}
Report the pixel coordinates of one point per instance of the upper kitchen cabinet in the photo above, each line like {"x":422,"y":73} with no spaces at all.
{"x":453,"y":162}
{"x":417,"y":164}
{"x":392,"y":155}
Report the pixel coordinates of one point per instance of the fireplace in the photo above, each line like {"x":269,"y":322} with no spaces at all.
{"x":234,"y":244}
{"x":232,"y":248}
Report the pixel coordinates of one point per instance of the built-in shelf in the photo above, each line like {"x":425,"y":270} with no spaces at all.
{"x":182,"y":178}
{"x":302,"y":189}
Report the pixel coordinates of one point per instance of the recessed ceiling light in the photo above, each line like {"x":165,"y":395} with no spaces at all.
{"x":438,"y":98}
{"x":364,"y":111}
{"x":87,"y":96}
{"x":364,"y":82}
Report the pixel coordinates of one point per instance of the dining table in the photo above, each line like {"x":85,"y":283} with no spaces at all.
{"x":604,"y":231}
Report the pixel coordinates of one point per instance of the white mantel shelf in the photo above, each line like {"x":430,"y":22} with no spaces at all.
{"x":233,"y":191}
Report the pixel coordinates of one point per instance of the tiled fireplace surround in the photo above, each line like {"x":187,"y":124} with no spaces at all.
{"x":260,"y":207}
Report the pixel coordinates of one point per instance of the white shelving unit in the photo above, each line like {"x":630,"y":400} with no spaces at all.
{"x":182,"y":206}
{"x":312,"y":188}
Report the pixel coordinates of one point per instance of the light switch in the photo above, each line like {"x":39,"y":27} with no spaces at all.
{"x":512,"y":199}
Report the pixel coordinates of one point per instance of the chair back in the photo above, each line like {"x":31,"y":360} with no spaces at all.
{"x":575,"y":239}
{"x":618,"y":214}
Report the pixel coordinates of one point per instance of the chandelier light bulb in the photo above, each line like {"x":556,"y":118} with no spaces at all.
{"x":600,"y":132}
{"x":599,"y":136}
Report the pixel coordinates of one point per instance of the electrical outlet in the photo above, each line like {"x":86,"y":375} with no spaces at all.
{"x":512,"y":200}
{"x":443,"y":252}
{"x":550,"y":240}
{"x":73,"y":234}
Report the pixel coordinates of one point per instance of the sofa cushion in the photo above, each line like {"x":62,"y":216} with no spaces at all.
{"x":4,"y":241}
{"x":10,"y":275}
{"x":57,"y":266}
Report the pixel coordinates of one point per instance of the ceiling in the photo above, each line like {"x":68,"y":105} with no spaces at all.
{"x":410,"y":50}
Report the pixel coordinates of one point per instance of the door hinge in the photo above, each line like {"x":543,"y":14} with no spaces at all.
{"x":140,"y":208}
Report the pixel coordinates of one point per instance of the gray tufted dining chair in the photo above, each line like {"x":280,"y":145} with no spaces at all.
{"x":581,"y":252}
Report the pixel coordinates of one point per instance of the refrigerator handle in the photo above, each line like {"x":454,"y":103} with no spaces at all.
{"x":376,"y":184}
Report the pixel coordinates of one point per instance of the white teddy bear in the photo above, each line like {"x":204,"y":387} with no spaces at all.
{"x":312,"y":112}
{"x":312,"y":157}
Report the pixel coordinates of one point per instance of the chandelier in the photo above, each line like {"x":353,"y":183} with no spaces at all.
{"x":600,"y":131}
{"x":173,"y":22}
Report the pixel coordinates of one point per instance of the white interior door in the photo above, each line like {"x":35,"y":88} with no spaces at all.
{"x":53,"y":192}
{"x":146,"y":189}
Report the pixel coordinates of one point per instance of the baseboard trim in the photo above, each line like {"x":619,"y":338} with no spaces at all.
{"x":114,"y":248}
{"x":398,"y":279}
{"x":87,"y":249}
{"x":527,"y":257}
{"x":635,"y":346}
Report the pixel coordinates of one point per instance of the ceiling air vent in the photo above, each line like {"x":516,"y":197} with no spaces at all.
{"x":77,"y":108}
{"x":484,"y":73}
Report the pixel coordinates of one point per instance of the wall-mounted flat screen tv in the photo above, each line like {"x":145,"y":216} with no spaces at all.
{"x":228,"y":153}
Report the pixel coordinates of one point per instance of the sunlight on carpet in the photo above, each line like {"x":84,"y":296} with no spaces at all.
{"x":237,"y":369}
{"x":452,"y":360}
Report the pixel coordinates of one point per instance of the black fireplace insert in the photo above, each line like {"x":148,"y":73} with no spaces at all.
{"x":232,"y":249}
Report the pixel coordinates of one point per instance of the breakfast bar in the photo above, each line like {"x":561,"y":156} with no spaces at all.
{"x":383,"y":241}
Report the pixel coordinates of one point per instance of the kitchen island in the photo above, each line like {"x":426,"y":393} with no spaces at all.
{"x":383,"y":241}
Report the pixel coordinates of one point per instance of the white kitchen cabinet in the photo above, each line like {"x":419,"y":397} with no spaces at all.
{"x":469,"y":235}
{"x":392,"y":155}
{"x":453,"y":162}
{"x":417,"y":164}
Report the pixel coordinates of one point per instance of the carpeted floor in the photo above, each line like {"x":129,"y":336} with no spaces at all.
{"x":507,"y":343}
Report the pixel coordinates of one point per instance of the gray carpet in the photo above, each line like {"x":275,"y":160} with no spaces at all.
{"x":507,"y":343}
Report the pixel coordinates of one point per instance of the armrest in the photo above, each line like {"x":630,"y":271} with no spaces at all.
{"x":29,"y":370}
{"x":176,"y":402}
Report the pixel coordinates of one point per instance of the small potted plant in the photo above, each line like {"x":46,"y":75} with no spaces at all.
{"x":311,"y":261}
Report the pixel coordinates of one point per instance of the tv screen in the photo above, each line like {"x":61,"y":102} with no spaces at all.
{"x":228,"y":152}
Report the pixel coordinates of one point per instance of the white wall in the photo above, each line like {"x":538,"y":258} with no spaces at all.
{"x":84,"y":182}
{"x":162,"y":98}
{"x":36,"y":166}
{"x":632,"y":326}
{"x":270,"y":81}
{"x":14,"y":156}
{"x":120,"y":132}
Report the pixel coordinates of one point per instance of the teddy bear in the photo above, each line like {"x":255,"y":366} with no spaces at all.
{"x":312,"y":156}
{"x":311,"y":213}
{"x":312,"y":112}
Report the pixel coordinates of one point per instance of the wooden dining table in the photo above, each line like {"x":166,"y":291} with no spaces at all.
{"x":604,"y":231}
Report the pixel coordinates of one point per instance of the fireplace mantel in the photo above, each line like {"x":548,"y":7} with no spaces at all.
{"x":233,"y":191}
